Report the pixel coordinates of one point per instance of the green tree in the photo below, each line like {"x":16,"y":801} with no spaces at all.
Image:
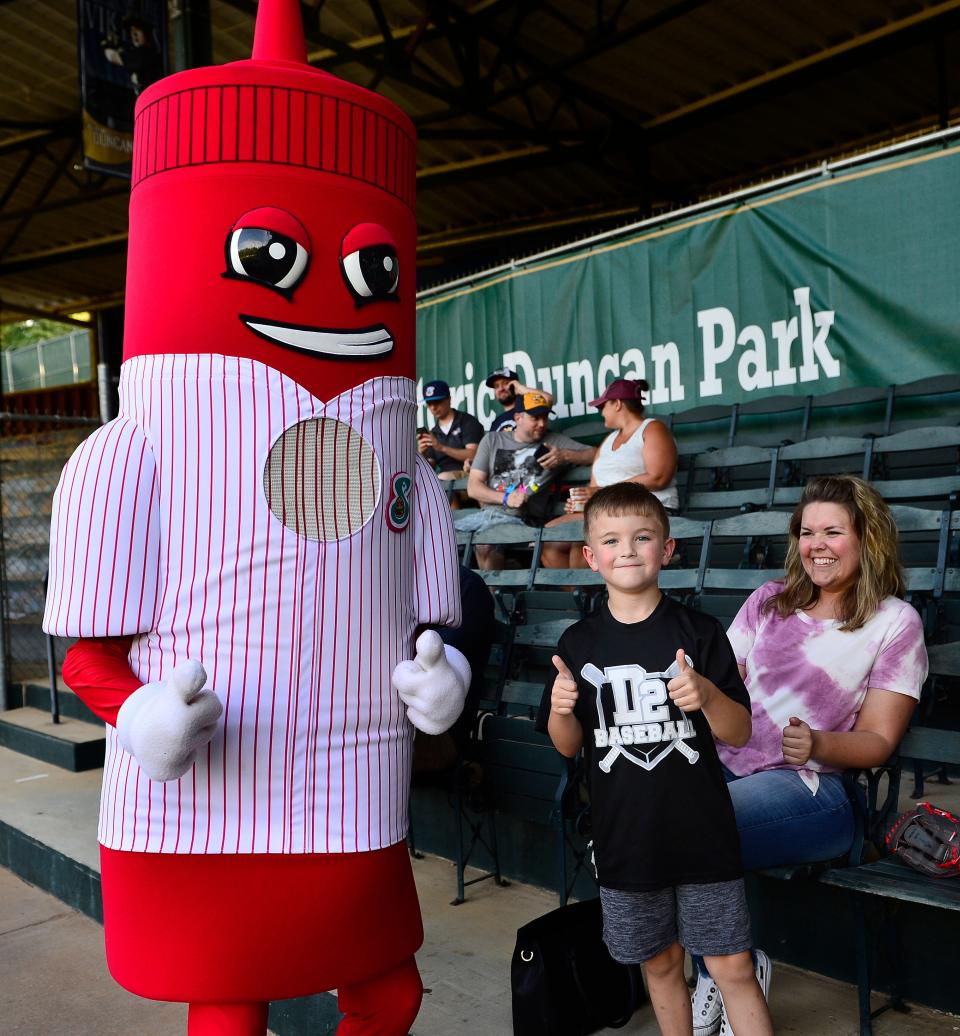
{"x":28,"y":332}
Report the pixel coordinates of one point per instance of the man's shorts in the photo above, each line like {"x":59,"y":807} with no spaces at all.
{"x":709,"y":920}
{"x":476,"y":519}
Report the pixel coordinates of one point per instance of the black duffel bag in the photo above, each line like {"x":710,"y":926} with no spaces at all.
{"x":564,"y":981}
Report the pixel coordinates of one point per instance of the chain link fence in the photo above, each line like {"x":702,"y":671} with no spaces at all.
{"x":33,"y":451}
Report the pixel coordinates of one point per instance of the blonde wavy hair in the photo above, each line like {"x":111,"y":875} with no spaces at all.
{"x":881,"y":573}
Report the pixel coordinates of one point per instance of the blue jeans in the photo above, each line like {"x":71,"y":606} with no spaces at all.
{"x":781,"y":822}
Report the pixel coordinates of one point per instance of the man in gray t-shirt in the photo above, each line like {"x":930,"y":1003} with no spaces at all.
{"x":511,"y":470}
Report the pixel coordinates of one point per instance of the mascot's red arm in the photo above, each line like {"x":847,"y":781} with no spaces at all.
{"x":98,"y":673}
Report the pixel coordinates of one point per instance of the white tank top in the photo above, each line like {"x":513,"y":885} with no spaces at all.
{"x":624,"y":463}
{"x":290,"y":545}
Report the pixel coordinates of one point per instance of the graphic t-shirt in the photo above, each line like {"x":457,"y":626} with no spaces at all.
{"x":662,"y":814}
{"x":806,"y":667}
{"x":507,"y":462}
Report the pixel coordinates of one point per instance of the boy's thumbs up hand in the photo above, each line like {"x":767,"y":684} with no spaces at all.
{"x":564,"y":695}
{"x":688,"y":690}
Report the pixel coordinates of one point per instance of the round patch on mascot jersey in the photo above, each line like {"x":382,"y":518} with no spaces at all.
{"x":322,"y":479}
{"x":399,"y":502}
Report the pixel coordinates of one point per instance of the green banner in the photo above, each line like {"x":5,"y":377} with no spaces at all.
{"x":843,"y":280}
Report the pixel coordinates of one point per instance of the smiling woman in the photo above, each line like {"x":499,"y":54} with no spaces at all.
{"x":829,"y":550}
{"x":834,"y":660}
{"x":638,"y":449}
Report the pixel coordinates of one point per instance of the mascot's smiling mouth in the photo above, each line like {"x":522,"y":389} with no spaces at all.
{"x":360,"y":342}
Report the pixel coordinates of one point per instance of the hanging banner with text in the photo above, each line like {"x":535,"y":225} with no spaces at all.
{"x":847,"y":280}
{"x":123,"y":49}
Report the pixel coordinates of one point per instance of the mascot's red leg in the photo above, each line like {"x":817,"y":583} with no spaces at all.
{"x":383,"y":1006}
{"x":227,"y":1019}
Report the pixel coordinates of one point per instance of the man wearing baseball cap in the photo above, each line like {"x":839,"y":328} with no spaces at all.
{"x":507,"y":388}
{"x":450,"y":445}
{"x":513,"y":469}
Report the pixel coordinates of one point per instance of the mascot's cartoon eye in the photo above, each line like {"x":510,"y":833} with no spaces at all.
{"x":268,"y":257}
{"x":373,"y":272}
{"x":370,"y":265}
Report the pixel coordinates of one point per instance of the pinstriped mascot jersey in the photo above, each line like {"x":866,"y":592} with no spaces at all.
{"x":229,"y":516}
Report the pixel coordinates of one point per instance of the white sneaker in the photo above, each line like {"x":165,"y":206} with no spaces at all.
{"x":706,"y":1004}
{"x":763,"y":969}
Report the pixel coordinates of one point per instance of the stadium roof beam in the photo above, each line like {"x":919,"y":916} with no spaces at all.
{"x":34,"y":133}
{"x":33,"y":153}
{"x":462,"y":27}
{"x":74,"y":251}
{"x":928,"y":24}
{"x":503,"y":163}
{"x":427,"y":243}
{"x":606,"y":37}
{"x":81,"y":198}
{"x":59,"y":166}
{"x":41,"y":314}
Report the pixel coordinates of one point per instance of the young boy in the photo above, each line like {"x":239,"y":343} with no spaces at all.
{"x":645,"y":686}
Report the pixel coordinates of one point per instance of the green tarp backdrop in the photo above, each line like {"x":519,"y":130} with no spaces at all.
{"x":843,"y":280}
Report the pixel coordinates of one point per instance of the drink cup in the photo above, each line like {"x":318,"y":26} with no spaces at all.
{"x":578,"y":497}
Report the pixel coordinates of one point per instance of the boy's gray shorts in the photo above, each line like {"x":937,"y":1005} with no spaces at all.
{"x":709,"y":920}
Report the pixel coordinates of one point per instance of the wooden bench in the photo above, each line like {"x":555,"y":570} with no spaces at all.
{"x":505,"y":583}
{"x":886,"y":883}
{"x":737,"y":475}
{"x":944,"y":662}
{"x":928,"y":457}
{"x":722,"y":589}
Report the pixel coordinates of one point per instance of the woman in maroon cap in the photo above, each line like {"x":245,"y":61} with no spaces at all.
{"x":638,"y":449}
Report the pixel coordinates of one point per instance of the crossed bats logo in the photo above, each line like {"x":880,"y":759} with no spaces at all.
{"x":639,"y":698}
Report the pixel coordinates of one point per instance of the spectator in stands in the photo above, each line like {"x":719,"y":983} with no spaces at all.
{"x":512,"y":471}
{"x":638,"y":449}
{"x":508,"y":389}
{"x":834,"y":660}
{"x":451,"y":444}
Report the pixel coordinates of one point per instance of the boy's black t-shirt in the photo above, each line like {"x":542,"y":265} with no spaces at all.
{"x":661,"y":811}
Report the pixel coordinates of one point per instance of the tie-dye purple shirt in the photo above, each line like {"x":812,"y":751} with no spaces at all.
{"x":799,"y":666}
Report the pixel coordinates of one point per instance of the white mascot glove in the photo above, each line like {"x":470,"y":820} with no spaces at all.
{"x":164,"y":724}
{"x":434,"y":685}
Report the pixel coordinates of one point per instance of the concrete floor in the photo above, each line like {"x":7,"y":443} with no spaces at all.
{"x":53,"y":979}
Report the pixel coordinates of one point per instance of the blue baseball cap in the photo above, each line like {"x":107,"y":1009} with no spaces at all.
{"x":435,"y":390}
{"x":501,"y":372}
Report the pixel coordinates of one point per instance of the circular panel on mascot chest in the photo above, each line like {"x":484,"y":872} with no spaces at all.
{"x":322,"y":479}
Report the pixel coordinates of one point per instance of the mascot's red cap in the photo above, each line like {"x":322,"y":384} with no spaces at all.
{"x":213,"y":146}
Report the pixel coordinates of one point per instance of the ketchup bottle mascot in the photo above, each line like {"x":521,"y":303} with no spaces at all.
{"x":247,"y":550}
